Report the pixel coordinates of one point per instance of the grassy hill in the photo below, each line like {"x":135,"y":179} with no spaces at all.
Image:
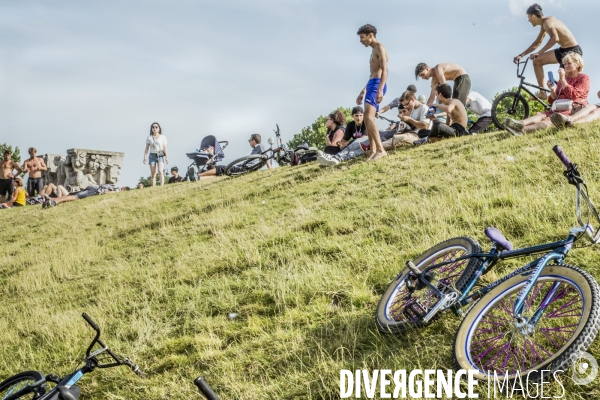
{"x":302,"y":254}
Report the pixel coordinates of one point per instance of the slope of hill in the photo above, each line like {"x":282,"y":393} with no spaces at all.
{"x":302,"y":254}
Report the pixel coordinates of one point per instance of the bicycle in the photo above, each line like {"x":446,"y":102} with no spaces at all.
{"x":513,"y":104}
{"x":32,"y":385}
{"x":539,"y":317}
{"x":255,"y":162}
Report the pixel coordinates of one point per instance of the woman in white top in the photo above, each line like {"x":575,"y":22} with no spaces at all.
{"x":157,"y":145}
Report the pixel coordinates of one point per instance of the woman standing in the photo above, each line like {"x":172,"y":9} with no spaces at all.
{"x":157,"y":145}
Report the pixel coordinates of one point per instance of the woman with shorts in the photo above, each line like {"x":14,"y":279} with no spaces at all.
{"x":19,"y":195}
{"x":156,"y":145}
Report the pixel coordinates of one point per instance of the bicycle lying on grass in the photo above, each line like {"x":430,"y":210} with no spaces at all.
{"x":513,"y":104}
{"x":539,"y":317}
{"x":255,"y":162}
{"x":32,"y":385}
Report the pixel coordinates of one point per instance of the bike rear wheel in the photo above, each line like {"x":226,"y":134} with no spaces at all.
{"x":489,"y":338}
{"x":390,"y":316}
{"x":511,"y":105}
{"x":244,"y":165}
{"x":17,"y":382}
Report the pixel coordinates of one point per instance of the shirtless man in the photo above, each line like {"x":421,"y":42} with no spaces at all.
{"x":559,"y":33}
{"x":34,"y":166}
{"x":457,"y":123}
{"x":7,"y":166}
{"x":442,"y":73}
{"x":376,"y":87}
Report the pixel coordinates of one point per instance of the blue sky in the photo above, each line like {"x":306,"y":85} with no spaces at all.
{"x":96,"y":74}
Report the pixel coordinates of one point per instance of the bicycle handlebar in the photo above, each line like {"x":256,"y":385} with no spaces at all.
{"x":91,"y":322}
{"x":205,"y":388}
{"x":562,"y":156}
{"x":389,"y":120}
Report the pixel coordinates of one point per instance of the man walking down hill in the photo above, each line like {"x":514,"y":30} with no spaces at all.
{"x":34,"y":166}
{"x":559,"y":33}
{"x":7,"y":166}
{"x":376,"y":87}
{"x":442,"y":73}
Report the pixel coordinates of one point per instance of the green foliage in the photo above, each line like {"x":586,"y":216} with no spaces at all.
{"x":534,"y":105}
{"x":314,"y":134}
{"x":16,"y":155}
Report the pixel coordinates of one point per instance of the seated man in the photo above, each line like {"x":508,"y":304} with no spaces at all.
{"x":175,"y":176}
{"x":396,"y":102}
{"x":90,"y":191}
{"x":479,"y":105}
{"x":457,"y":117}
{"x":414,"y":122}
{"x":257,"y":148}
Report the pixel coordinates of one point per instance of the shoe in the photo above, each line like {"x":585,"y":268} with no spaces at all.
{"x":513,"y":126}
{"x":320,"y":153}
{"x":365,"y":147}
{"x":328,"y":160}
{"x":50,"y":203}
{"x":421,"y":141}
{"x":558,"y":120}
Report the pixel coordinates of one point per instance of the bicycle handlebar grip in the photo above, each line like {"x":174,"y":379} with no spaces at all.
{"x":90,"y":321}
{"x":205,"y":389}
{"x":562,"y":156}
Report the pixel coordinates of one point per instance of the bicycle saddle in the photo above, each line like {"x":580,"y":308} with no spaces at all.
{"x":69,"y":394}
{"x":498,"y":239}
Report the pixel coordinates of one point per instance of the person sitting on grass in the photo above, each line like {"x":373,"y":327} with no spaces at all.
{"x":175,"y":176}
{"x":90,"y":191}
{"x":572,"y":85}
{"x":336,"y":127}
{"x":7,"y":166}
{"x":411,"y":124}
{"x":355,"y":129}
{"x":481,"y":106}
{"x":396,"y":102}
{"x":257,"y":148}
{"x":456,"y":124}
{"x":588,"y":113}
{"x":18,"y":197}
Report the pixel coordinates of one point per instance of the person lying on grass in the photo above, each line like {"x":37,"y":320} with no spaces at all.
{"x":93,"y":190}
{"x":572,"y":85}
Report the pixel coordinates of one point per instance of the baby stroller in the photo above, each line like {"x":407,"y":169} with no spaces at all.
{"x":209,"y":153}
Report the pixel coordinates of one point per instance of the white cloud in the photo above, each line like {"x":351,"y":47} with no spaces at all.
{"x":518,"y":7}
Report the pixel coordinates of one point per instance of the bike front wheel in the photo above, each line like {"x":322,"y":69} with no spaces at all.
{"x":511,"y":105}
{"x":17,"y":382}
{"x":391,"y":316}
{"x":244,"y":165}
{"x":490,"y":340}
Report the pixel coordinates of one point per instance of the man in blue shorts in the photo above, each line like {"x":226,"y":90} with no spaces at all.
{"x":376,"y":87}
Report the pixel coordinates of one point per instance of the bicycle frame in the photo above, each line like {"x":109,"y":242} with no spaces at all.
{"x":523,"y":84}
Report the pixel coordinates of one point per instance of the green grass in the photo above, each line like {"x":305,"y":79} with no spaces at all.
{"x":303,"y":255}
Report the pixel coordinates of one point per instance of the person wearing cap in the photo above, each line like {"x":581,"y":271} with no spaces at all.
{"x":175,"y":176}
{"x":479,"y":105}
{"x":7,"y":166}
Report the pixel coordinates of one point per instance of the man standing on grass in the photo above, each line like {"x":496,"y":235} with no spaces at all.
{"x":376,"y":87}
{"x":559,"y":33}
{"x":7,"y":166}
{"x":34,"y":166}
{"x":442,"y":73}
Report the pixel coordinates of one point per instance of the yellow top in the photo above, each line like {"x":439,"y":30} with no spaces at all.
{"x":20,"y":196}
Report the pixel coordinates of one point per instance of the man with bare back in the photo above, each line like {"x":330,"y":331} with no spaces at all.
{"x":559,"y":33}
{"x":376,"y":87}
{"x":445,"y":72}
{"x":7,"y":166}
{"x":34,"y":166}
{"x":456,"y":124}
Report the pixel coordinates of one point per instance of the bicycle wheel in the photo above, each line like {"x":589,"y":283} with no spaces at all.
{"x":244,"y":165}
{"x":390,"y":315}
{"x":17,"y":382}
{"x":509,"y":104}
{"x":490,"y":340}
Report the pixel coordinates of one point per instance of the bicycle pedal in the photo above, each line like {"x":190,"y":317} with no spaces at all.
{"x":415,"y":311}
{"x":444,"y":303}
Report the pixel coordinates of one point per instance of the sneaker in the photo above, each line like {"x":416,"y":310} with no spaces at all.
{"x":421,"y":141}
{"x":328,"y":160}
{"x":50,"y":203}
{"x":558,"y":120}
{"x":365,"y":147}
{"x":513,"y":126}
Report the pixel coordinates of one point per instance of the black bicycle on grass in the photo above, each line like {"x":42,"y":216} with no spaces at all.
{"x":32,"y":385}
{"x":539,"y":317}
{"x":513,"y":104}
{"x":255,"y":162}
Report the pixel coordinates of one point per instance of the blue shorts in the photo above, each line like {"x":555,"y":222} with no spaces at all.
{"x":153,"y":158}
{"x":372,"y":89}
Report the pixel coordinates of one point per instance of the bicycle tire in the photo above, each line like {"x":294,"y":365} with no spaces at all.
{"x":244,"y":165}
{"x":19,"y":381}
{"x":476,"y":331}
{"x":389,"y":316}
{"x":503,"y":107}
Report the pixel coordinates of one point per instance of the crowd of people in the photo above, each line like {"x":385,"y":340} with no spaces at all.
{"x":441,"y":115}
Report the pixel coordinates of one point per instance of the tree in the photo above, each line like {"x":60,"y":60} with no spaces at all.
{"x":314,"y":134}
{"x":16,"y":155}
